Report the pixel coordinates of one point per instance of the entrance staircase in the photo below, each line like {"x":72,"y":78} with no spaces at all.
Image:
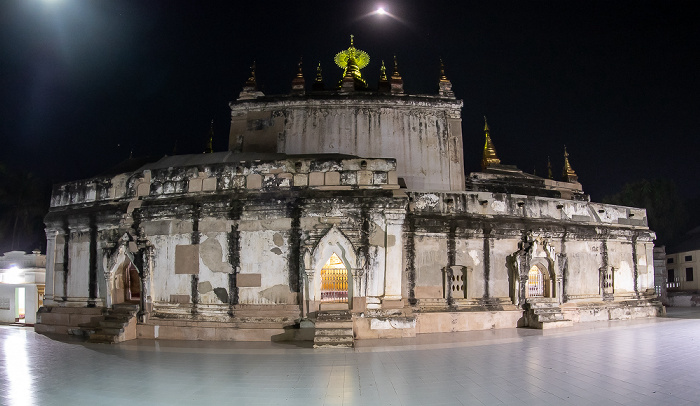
{"x":545,"y":313}
{"x":117,"y":324}
{"x":333,"y":326}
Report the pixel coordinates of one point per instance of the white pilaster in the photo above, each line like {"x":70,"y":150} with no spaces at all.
{"x":394,"y":254}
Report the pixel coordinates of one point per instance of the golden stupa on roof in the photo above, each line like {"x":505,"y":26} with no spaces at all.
{"x":352,"y":60}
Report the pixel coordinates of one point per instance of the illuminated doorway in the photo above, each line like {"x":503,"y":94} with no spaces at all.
{"x":334,"y":280}
{"x":535,"y":282}
{"x":20,"y":303}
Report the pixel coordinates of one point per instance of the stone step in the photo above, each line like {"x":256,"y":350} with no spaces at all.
{"x":334,"y":331}
{"x":112,"y":324}
{"x":335,"y":345}
{"x":271,"y":317}
{"x":550,"y":317}
{"x":333,"y":339}
{"x":544,"y":305}
{"x":273,"y":308}
{"x":80,"y":332}
{"x":121,"y":308}
{"x":333,"y":306}
{"x":118,"y":318}
{"x":103,"y":338}
{"x":111,"y":331}
{"x":333,"y":324}
{"x":339,"y":315}
{"x":556,"y":324}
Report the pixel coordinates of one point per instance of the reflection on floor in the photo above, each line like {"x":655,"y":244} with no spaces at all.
{"x":639,"y":362}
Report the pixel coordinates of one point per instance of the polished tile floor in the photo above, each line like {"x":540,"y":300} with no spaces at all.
{"x":639,"y":362}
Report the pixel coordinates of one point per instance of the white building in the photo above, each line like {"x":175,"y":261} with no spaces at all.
{"x":21,"y":286}
{"x":683,"y":270}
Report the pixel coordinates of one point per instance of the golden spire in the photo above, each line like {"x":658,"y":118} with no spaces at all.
{"x":210,"y":143}
{"x":489,"y":157}
{"x":382,"y":70}
{"x":384,"y":85}
{"x":443,"y":78}
{"x":298,"y":83}
{"x":252,"y":81}
{"x":318,"y":82}
{"x":319,"y":76}
{"x":396,"y":74}
{"x":396,"y":80}
{"x":444,"y":86}
{"x":568,"y":174}
{"x":250,"y":89}
{"x":352,"y":60}
{"x":549,"y":169}
{"x":300,"y":74}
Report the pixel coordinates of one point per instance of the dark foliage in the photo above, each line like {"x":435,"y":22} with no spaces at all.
{"x":24,"y":201}
{"x":666,"y":210}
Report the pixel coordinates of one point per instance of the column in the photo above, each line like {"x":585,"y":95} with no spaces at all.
{"x":394,"y":254}
{"x":50,"y":266}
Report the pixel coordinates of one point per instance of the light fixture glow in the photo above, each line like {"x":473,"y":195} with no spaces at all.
{"x":381,"y":11}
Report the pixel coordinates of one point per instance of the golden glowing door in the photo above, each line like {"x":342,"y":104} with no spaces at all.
{"x":535,"y":282}
{"x":334,"y":281}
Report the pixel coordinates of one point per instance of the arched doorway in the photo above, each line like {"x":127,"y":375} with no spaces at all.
{"x":536,"y":282}
{"x":334,"y":281}
{"x":132,"y":284}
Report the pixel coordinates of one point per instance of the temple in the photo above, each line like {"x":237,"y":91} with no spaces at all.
{"x":338,"y":213}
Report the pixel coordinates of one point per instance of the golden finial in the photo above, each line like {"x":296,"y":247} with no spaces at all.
{"x":568,"y":174}
{"x":319,"y":77}
{"x":252,"y":81}
{"x":298,"y":83}
{"x":352,"y":60}
{"x":384,"y":85}
{"x":382,"y":70}
{"x":396,"y":69}
{"x":489,"y":157}
{"x":549,"y":169}
{"x":250,"y":89}
{"x":210,"y":143}
{"x":299,"y":72}
{"x":444,"y":86}
{"x":443,"y":78}
{"x":318,"y":82}
{"x":396,"y":81}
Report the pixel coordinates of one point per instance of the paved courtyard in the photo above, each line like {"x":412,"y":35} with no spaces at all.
{"x":639,"y":362}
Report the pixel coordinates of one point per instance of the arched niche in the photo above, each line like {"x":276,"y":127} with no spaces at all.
{"x":334,"y":242}
{"x":122,"y":279}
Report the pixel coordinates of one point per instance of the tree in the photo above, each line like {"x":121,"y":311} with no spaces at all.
{"x":666,"y":211}
{"x":23,"y":204}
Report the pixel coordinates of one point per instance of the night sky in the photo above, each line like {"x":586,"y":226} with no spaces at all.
{"x":86,"y":82}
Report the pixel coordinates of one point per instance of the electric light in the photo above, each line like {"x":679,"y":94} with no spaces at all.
{"x":381,"y":11}
{"x":13,"y":276}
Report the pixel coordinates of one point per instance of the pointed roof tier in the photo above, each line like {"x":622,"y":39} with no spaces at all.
{"x":298,"y":83}
{"x":489,"y":156}
{"x":384,"y":85}
{"x":568,"y":174}
{"x":445,"y":86}
{"x":250,"y":89}
{"x":396,"y":80}
{"x":352,"y":60}
{"x":318,"y":82}
{"x":549,"y":169}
